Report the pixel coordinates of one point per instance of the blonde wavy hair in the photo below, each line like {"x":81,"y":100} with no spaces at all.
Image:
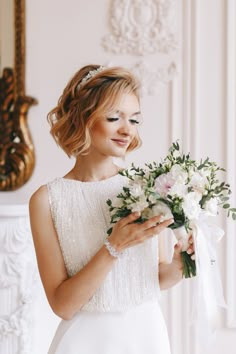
{"x":80,"y":106}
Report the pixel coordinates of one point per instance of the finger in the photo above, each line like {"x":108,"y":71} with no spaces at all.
{"x":159,"y":228}
{"x":151,"y":222}
{"x":129,"y":219}
{"x":190,"y":240}
{"x":190,"y":250}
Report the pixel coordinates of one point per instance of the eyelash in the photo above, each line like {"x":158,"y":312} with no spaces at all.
{"x":132,"y":121}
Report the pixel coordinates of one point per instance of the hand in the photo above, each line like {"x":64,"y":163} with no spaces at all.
{"x":191,"y":249}
{"x":126,"y":233}
{"x":178,"y":249}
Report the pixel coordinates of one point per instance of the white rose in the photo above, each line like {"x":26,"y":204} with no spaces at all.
{"x":178,"y":189}
{"x":198,"y":182}
{"x":136,"y":190}
{"x":191,"y":205}
{"x":211,"y":207}
{"x":162,"y":209}
{"x":178,"y":174}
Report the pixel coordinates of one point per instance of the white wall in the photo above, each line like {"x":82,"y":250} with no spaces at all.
{"x":194,"y":107}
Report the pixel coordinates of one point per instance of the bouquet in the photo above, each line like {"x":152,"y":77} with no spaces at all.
{"x":179,"y":188}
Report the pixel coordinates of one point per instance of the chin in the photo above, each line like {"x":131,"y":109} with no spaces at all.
{"x":119,"y":153}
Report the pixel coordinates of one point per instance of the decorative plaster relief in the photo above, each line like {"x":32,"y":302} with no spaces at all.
{"x":140,"y":27}
{"x":18,"y":271}
{"x":151,"y":77}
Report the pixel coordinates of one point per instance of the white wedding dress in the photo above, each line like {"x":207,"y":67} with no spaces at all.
{"x":123,"y":316}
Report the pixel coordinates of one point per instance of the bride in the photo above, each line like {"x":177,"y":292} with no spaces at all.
{"x":105,"y":289}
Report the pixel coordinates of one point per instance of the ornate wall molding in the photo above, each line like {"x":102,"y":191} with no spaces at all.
{"x":140,"y":27}
{"x":18,"y":279}
{"x":151,"y":77}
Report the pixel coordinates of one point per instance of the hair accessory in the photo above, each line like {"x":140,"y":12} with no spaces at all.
{"x":113,"y":252}
{"x":89,"y":76}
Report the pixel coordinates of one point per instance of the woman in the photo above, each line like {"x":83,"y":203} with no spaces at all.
{"x":106,"y":290}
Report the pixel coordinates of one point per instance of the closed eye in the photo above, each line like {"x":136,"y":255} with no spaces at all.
{"x":110,"y":119}
{"x":134,"y":121}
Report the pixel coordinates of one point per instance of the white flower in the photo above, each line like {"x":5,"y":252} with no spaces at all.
{"x":178,"y":174}
{"x":198,"y":182}
{"x":139,"y":206}
{"x":152,"y":199}
{"x":162,"y":209}
{"x":191,"y":205}
{"x":136,"y":190}
{"x":147,"y":213}
{"x":163,"y":184}
{"x":178,"y":189}
{"x":117,"y":203}
{"x":211,"y":207}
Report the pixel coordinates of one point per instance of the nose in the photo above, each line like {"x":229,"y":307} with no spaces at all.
{"x":126,"y":127}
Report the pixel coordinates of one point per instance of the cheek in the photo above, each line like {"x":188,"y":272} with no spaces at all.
{"x":100,"y":130}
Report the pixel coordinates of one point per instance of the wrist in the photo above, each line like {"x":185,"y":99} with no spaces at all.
{"x":113,"y":250}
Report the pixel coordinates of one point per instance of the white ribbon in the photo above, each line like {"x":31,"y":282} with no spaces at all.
{"x":208,"y":294}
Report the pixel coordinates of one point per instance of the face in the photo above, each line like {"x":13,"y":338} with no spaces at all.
{"x":112,"y":134}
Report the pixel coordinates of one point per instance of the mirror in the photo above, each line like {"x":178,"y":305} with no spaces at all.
{"x":17,"y":156}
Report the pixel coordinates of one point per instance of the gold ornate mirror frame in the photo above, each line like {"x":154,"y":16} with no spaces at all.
{"x":17,"y":156}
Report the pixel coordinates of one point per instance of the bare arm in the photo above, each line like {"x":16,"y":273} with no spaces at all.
{"x":67,"y":295}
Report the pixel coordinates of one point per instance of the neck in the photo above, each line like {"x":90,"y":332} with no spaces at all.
{"x":87,"y":169}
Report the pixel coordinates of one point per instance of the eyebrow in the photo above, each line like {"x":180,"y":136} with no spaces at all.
{"x":133,"y":114}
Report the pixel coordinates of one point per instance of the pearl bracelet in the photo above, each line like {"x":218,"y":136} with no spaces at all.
{"x":113,"y":252}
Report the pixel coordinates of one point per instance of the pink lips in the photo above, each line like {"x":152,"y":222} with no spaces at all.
{"x":121,"y":142}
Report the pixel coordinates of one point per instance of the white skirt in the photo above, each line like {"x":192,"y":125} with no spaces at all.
{"x":140,"y":330}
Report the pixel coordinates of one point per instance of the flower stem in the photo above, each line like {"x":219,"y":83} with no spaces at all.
{"x":189,"y":265}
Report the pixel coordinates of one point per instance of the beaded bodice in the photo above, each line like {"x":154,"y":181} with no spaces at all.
{"x":81,"y":218}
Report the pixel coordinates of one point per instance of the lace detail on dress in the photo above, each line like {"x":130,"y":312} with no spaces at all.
{"x":81,"y":218}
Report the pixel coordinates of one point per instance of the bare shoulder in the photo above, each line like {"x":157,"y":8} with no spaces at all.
{"x":40,"y":197}
{"x":40,"y":214}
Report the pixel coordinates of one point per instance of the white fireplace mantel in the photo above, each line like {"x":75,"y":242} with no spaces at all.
{"x":18,"y":280}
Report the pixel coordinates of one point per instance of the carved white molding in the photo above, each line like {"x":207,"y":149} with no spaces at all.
{"x":231,"y":158}
{"x":151,"y":77}
{"x":140,"y":27}
{"x":18,"y":279}
{"x":182,"y":96}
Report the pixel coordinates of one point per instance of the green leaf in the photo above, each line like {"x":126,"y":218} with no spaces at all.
{"x":224,"y":199}
{"x":109,"y":231}
{"x":226,"y":206}
{"x":109,"y":203}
